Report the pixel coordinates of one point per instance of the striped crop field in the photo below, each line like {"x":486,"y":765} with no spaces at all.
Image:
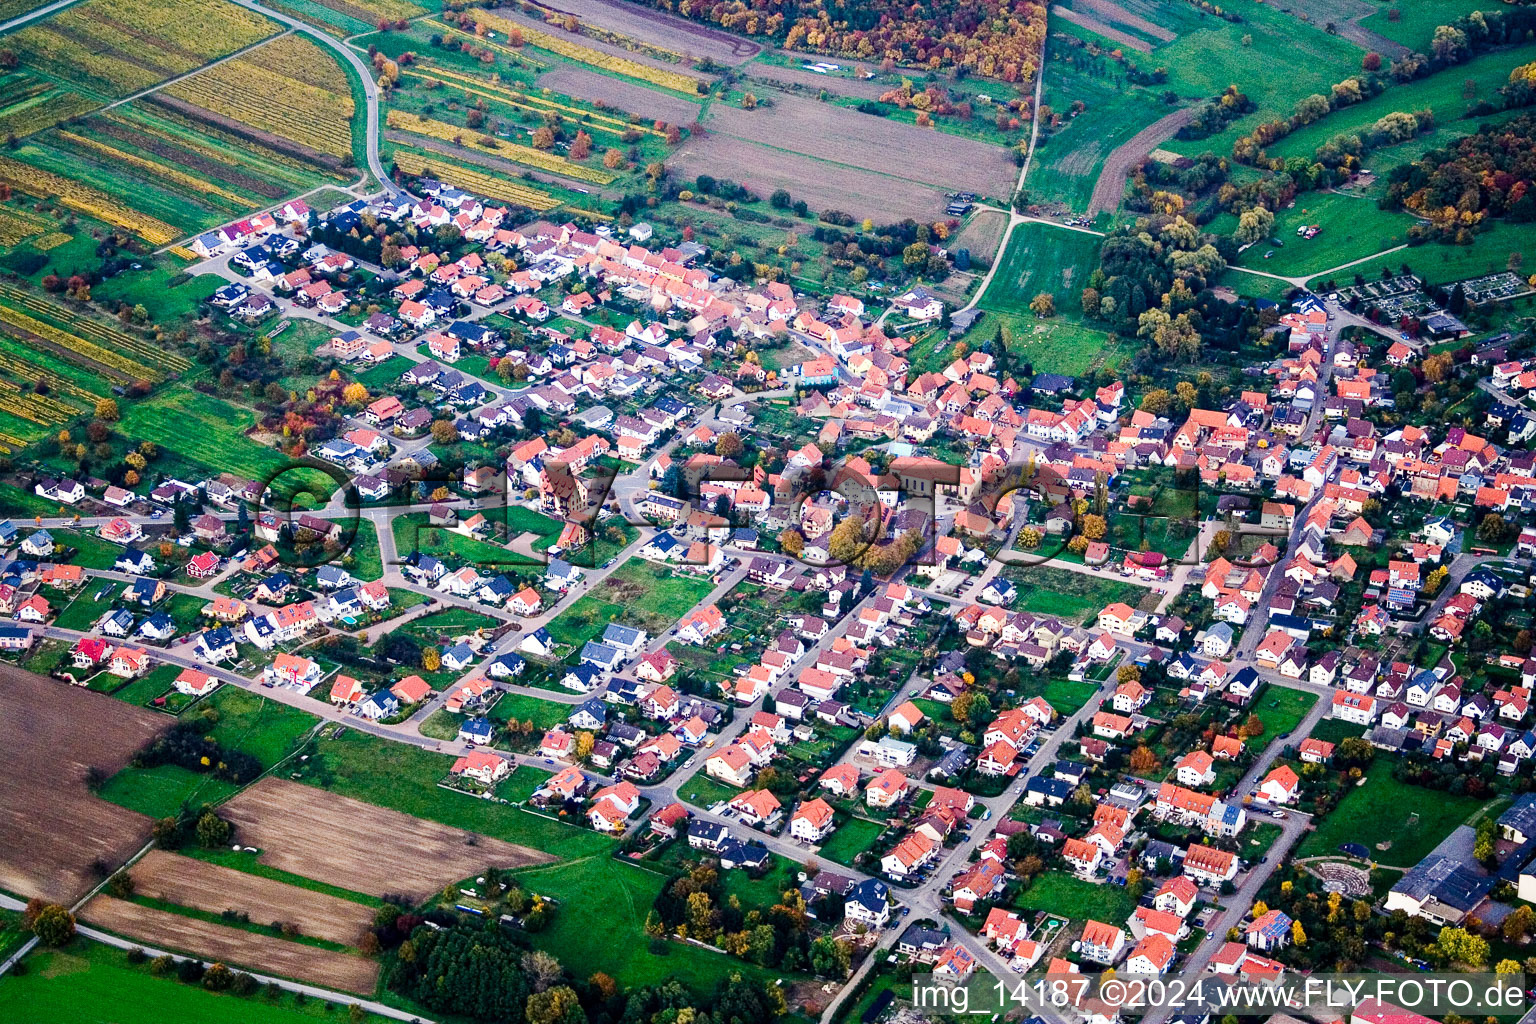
{"x":526,"y":155}
{"x":289,"y":88}
{"x":474,"y":180}
{"x":118,"y":47}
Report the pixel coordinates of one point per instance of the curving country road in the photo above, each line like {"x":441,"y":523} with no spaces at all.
{"x":370,"y":87}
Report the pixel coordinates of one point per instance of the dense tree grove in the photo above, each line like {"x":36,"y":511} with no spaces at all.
{"x":184,"y":744}
{"x":694,"y":905}
{"x":1486,"y":174}
{"x":474,"y":972}
{"x":988,"y":37}
{"x":1140,"y":263}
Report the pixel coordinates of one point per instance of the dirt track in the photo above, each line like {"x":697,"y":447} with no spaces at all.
{"x":233,"y":946}
{"x":361,"y":847}
{"x":52,"y":828}
{"x":1110,"y":187}
{"x":202,"y":886}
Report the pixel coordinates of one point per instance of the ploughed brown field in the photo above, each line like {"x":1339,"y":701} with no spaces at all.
{"x":825,"y":186}
{"x":361,"y":847}
{"x":53,"y":829}
{"x":832,"y":134}
{"x":628,"y":96}
{"x":161,"y":929}
{"x":193,"y":883}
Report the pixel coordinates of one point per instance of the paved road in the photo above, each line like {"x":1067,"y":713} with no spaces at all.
{"x":31,"y":16}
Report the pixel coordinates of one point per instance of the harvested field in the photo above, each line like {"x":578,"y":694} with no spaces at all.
{"x":314,"y":833}
{"x":824,"y":186}
{"x":839,"y":136}
{"x":51,"y":734}
{"x":659,"y":29}
{"x":165,"y":930}
{"x":200,"y":885}
{"x":1113,"y":12}
{"x":628,"y":96}
{"x":1109,"y":32}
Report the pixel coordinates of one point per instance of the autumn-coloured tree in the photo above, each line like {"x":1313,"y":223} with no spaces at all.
{"x":728,"y":445}
{"x":1043,"y":305}
{"x":615,"y":160}
{"x":581,"y":146}
{"x":354,"y":394}
{"x":544,"y":138}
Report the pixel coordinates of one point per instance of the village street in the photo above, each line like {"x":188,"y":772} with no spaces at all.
{"x":924,"y":899}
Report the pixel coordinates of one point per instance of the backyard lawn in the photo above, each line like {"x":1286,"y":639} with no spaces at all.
{"x":519,"y":786}
{"x":91,"y":551}
{"x":703,"y":791}
{"x":639,"y":593}
{"x":1281,"y":709}
{"x":852,"y":838}
{"x":544,"y":714}
{"x":1072,"y":897}
{"x":1410,"y":820}
{"x":1077,"y":596}
{"x":414,"y":532}
{"x":1067,"y":696}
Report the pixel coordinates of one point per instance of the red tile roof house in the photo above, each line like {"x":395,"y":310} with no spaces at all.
{"x":812,"y":821}
{"x":483,"y":767}
{"x":411,"y":690}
